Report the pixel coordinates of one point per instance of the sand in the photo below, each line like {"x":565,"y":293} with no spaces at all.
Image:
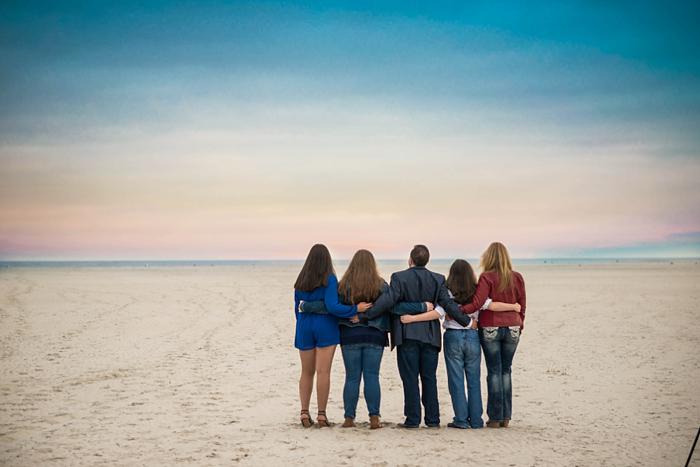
{"x":196,"y":365}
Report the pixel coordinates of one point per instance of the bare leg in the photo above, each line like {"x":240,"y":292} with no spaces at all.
{"x":324,"y":360}
{"x":306,"y":380}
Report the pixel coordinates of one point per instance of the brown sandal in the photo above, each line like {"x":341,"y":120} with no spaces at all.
{"x":306,"y":419}
{"x":322,"y":421}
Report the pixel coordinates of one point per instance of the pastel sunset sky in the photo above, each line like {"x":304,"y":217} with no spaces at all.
{"x":252,"y":130}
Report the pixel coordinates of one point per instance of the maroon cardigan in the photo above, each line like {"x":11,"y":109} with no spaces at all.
{"x":488,"y":287}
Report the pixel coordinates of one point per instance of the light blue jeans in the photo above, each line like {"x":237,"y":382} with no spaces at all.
{"x":362,"y":361}
{"x":463,"y":358}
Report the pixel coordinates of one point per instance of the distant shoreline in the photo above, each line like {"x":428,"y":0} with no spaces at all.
{"x":273,"y":262}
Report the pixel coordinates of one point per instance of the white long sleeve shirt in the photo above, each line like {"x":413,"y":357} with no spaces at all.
{"x":452,"y":324}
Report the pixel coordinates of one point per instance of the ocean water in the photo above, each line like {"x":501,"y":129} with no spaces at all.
{"x":395,"y":263}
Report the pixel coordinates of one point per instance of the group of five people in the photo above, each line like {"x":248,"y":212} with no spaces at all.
{"x":361,"y":311}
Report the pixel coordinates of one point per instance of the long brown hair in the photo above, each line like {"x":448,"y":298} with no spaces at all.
{"x":361,"y":282}
{"x":461,"y":281}
{"x":317,"y":267}
{"x":496,"y":259}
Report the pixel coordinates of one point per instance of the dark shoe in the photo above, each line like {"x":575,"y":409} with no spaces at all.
{"x":432,"y":425}
{"x":493,"y":424}
{"x":322,"y":420}
{"x":477,"y":425}
{"x":408,"y":427}
{"x":348,"y":423}
{"x":305,"y":419}
{"x":504,"y":423}
{"x":374,"y":423}
{"x":454,"y":425}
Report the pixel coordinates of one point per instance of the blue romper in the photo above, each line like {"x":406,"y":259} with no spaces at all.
{"x":320,"y":330}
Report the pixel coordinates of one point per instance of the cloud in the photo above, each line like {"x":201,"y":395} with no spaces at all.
{"x":184,"y":131}
{"x":685,"y":244}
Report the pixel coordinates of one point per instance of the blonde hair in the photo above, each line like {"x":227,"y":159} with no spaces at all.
{"x":496,"y":259}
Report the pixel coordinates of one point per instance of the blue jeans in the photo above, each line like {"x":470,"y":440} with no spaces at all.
{"x":362,"y":361}
{"x":463,"y":357}
{"x":499,"y":348}
{"x":416,"y":359}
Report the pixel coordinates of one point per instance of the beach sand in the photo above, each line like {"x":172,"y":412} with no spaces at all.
{"x":196,"y":365}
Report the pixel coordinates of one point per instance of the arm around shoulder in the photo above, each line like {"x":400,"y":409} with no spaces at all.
{"x":427,"y":316}
{"x":500,"y":306}
{"x":483,"y":290}
{"x":409,"y":308}
{"x":451,"y":307}
{"x":386,"y":300}
{"x":332,"y":303}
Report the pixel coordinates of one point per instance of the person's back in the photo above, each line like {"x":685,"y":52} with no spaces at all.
{"x":349,"y":328}
{"x":316,"y":336}
{"x":418,"y":344}
{"x":490,"y":287}
{"x":362,"y":343}
{"x":500,"y":331}
{"x":417,"y":284}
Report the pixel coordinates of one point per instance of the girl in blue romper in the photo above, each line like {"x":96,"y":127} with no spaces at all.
{"x":317,"y":335}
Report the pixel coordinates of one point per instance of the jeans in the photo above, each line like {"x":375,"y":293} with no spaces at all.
{"x":463,"y":358}
{"x":419,"y":359}
{"x":362,"y":361}
{"x":499,"y":346}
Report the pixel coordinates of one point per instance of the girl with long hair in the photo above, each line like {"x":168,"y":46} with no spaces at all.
{"x":499,"y":331}
{"x":317,"y":335}
{"x":362,"y":343}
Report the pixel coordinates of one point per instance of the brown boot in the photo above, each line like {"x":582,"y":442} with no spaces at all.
{"x":348,"y":423}
{"x":504,"y":423}
{"x":374,"y":422}
{"x":493,"y":424}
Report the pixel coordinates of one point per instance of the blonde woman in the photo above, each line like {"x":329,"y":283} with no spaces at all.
{"x":499,"y":331}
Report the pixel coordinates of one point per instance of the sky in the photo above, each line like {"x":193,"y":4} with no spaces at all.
{"x":252,"y":130}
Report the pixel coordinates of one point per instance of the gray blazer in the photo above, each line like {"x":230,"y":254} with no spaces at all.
{"x":417,"y":284}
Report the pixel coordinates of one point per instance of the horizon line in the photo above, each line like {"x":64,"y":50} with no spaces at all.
{"x":103,"y":260}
